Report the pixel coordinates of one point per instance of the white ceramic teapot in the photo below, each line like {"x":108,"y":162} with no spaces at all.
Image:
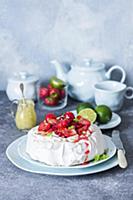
{"x":83,"y":76}
{"x":13,"y":86}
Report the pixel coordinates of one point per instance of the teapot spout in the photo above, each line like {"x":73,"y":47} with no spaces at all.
{"x":60,"y":73}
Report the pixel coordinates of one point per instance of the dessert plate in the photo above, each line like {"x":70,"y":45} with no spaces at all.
{"x":18,"y":161}
{"x":111,"y":150}
{"x":115,"y":121}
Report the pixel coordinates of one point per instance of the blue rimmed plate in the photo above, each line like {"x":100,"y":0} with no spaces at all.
{"x":13,"y":155}
{"x":111,"y":150}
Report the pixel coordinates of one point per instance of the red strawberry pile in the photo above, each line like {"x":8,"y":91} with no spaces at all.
{"x":51,"y":96}
{"x":64,"y":126}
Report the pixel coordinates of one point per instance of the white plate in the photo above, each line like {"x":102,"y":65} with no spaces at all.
{"x":14,"y":157}
{"x":109,"y":145}
{"x":115,"y":121}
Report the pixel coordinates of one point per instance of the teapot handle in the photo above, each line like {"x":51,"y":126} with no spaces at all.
{"x":12,"y":107}
{"x":129,"y":96}
{"x":116,"y":67}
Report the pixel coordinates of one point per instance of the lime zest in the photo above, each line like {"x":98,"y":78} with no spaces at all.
{"x":50,"y":134}
{"x":70,"y":127}
{"x":76,"y":120}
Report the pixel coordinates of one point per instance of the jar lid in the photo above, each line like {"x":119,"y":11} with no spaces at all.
{"x":24,"y":77}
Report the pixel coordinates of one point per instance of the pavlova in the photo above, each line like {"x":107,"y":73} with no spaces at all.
{"x":65,"y":140}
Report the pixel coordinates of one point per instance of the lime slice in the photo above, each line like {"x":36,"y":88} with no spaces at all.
{"x":104,"y":114}
{"x":89,"y":114}
{"x":82,"y":106}
{"x":57,"y":83}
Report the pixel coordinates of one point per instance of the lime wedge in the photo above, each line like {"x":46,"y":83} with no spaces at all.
{"x":57,"y":83}
{"x":89,"y":114}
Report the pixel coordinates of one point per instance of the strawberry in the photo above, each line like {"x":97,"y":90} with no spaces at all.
{"x":62,"y":93}
{"x":49,"y":101}
{"x":64,"y":132}
{"x":59,"y":133}
{"x":55,"y":96}
{"x":44,"y":126}
{"x":63,"y":123}
{"x":51,"y":118}
{"x":80,"y":130}
{"x":54,"y":127}
{"x":49,"y":86}
{"x":77,"y":125}
{"x":69,"y":115}
{"x":83,"y":137}
{"x":72,"y":132}
{"x":43,"y":92}
{"x":84,"y":122}
{"x":50,"y":130}
{"x":79,"y":117}
{"x":61,"y":118}
{"x":54,"y":91}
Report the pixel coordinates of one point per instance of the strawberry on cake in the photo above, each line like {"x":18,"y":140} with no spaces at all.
{"x":65,"y":141}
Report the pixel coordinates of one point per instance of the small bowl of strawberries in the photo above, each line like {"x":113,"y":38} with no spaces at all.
{"x":53,"y":96}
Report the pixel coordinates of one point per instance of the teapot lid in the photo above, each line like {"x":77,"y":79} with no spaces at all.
{"x":24,"y":77}
{"x":89,"y":64}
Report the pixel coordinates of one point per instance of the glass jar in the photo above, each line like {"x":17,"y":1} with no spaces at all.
{"x":50,"y":98}
{"x":24,"y":115}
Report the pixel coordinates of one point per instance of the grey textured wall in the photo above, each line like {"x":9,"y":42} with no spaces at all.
{"x":32,"y":32}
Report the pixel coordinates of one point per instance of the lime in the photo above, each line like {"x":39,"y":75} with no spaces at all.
{"x":57,"y":83}
{"x":82,"y":106}
{"x":104,"y":114}
{"x":89,"y":114}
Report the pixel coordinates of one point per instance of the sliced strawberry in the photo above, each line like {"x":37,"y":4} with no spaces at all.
{"x":65,"y":132}
{"x":69,"y":115}
{"x":63,"y":123}
{"x":50,"y":130}
{"x":83,"y":137}
{"x":43,"y":92}
{"x":49,"y":101}
{"x":41,"y":126}
{"x":61,"y":118}
{"x":87,"y":152}
{"x":90,"y":130}
{"x":44,"y":126}
{"x":60,"y":134}
{"x":60,"y":131}
{"x":51,"y":118}
{"x":84,"y":122}
{"x":77,"y":125}
{"x":72,"y":132}
{"x":59,"y":125}
{"x":79,"y":117}
{"x":82,"y":129}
